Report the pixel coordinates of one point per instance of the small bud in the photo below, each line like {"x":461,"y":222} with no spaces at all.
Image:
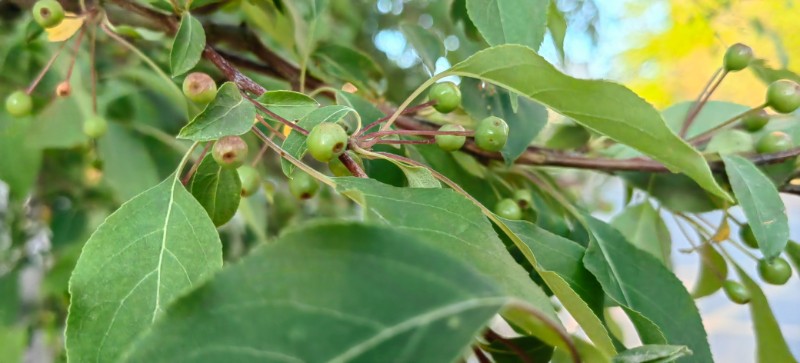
{"x":63,"y":89}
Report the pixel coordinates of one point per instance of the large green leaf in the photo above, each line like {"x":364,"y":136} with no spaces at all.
{"x":363,"y":294}
{"x":128,"y":167}
{"x":761,"y":203}
{"x":559,"y":262}
{"x":449,"y":223}
{"x":295,"y":144}
{"x":770,"y":344}
{"x":287,"y":104}
{"x":187,"y":48}
{"x":228,"y":114}
{"x":510,"y":21}
{"x":642,"y":225}
{"x":655,"y":353}
{"x":605,"y":107}
{"x":525,"y":121}
{"x":427,"y":45}
{"x":713,"y":272}
{"x":657,"y":303}
{"x":59,"y":125}
{"x":153,"y":249}
{"x":793,"y":252}
{"x":217,"y":189}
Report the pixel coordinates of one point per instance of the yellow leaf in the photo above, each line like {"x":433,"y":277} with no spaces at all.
{"x":68,"y":27}
{"x":286,"y":130}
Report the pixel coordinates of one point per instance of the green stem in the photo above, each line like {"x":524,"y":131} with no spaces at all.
{"x":184,"y":160}
{"x":702,"y":98}
{"x":699,"y":139}
{"x":410,"y":99}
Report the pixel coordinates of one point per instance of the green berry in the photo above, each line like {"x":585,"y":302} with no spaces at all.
{"x":737,"y":57}
{"x":250,"y":179}
{"x":451,"y":142}
{"x":199,"y":87}
{"x":774,"y":142}
{"x":19,"y":104}
{"x":48,"y":13}
{"x":508,"y":209}
{"x":302,"y":185}
{"x":229,"y":152}
{"x":326,"y":141}
{"x":783,"y":96}
{"x":755,"y":121}
{"x":95,"y":126}
{"x":776,"y":271}
{"x":747,"y":236}
{"x":339,"y":169}
{"x":736,"y":292}
{"x":523,"y":198}
{"x":491,"y":134}
{"x":447,"y":96}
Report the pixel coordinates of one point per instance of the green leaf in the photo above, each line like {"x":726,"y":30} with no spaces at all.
{"x":730,"y":142}
{"x":287,"y":104}
{"x":348,"y":65}
{"x":446,"y":163}
{"x":19,"y":161}
{"x":662,"y":312}
{"x":713,"y":272}
{"x":524,"y":123}
{"x":557,"y":25}
{"x":793,"y":252}
{"x":128,"y":168}
{"x":534,"y":350}
{"x":187,"y":48}
{"x":228,"y":114}
{"x":350,"y":302}
{"x":153,"y":249}
{"x":654,"y":353}
{"x":559,"y":262}
{"x":642,"y":225}
{"x":450,"y":223}
{"x":761,"y":203}
{"x":676,"y":192}
{"x":295,"y":143}
{"x":59,"y":125}
{"x":417,"y":176}
{"x":605,"y":107}
{"x":510,"y":21}
{"x":13,"y":343}
{"x":217,"y":189}
{"x":770,"y":344}
{"x":428,"y":46}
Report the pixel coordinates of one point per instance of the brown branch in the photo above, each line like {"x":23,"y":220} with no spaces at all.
{"x":480,"y":355}
{"x":491,"y":336}
{"x":196,"y":165}
{"x":548,"y":157}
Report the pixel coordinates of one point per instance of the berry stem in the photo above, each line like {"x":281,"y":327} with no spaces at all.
{"x":380,"y":134}
{"x":408,"y":111}
{"x":299,"y":164}
{"x":266,"y":124}
{"x":702,"y":98}
{"x":197,"y":162}
{"x":282,"y":120}
{"x":705,"y":136}
{"x":44,"y":70}
{"x":75,"y":49}
{"x":408,"y":101}
{"x":93,"y":66}
{"x":405,"y":142}
{"x":480,"y":355}
{"x":260,"y":154}
{"x":695,"y":247}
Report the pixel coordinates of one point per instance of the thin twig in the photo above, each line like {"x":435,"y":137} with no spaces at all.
{"x":282,"y":120}
{"x":417,"y":133}
{"x":480,"y":355}
{"x":408,"y":111}
{"x":75,"y":50}
{"x":46,"y":68}
{"x":490,"y":335}
{"x":269,"y":127}
{"x":705,"y":136}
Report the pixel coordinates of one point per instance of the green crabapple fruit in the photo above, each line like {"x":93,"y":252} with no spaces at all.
{"x":250,"y":179}
{"x":19,"y":104}
{"x":755,"y":121}
{"x":48,"y":13}
{"x":776,"y":271}
{"x":229,"y":152}
{"x":774,"y":142}
{"x":199,"y":87}
{"x":508,"y":209}
{"x":523,"y":198}
{"x":737,"y":57}
{"x":747,"y":236}
{"x":783,"y":96}
{"x":95,"y":126}
{"x":491,"y":134}
{"x":326,"y":141}
{"x":736,"y":292}
{"x":451,"y":142}
{"x":302,"y":185}
{"x":447,"y":96}
{"x":339,"y":169}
